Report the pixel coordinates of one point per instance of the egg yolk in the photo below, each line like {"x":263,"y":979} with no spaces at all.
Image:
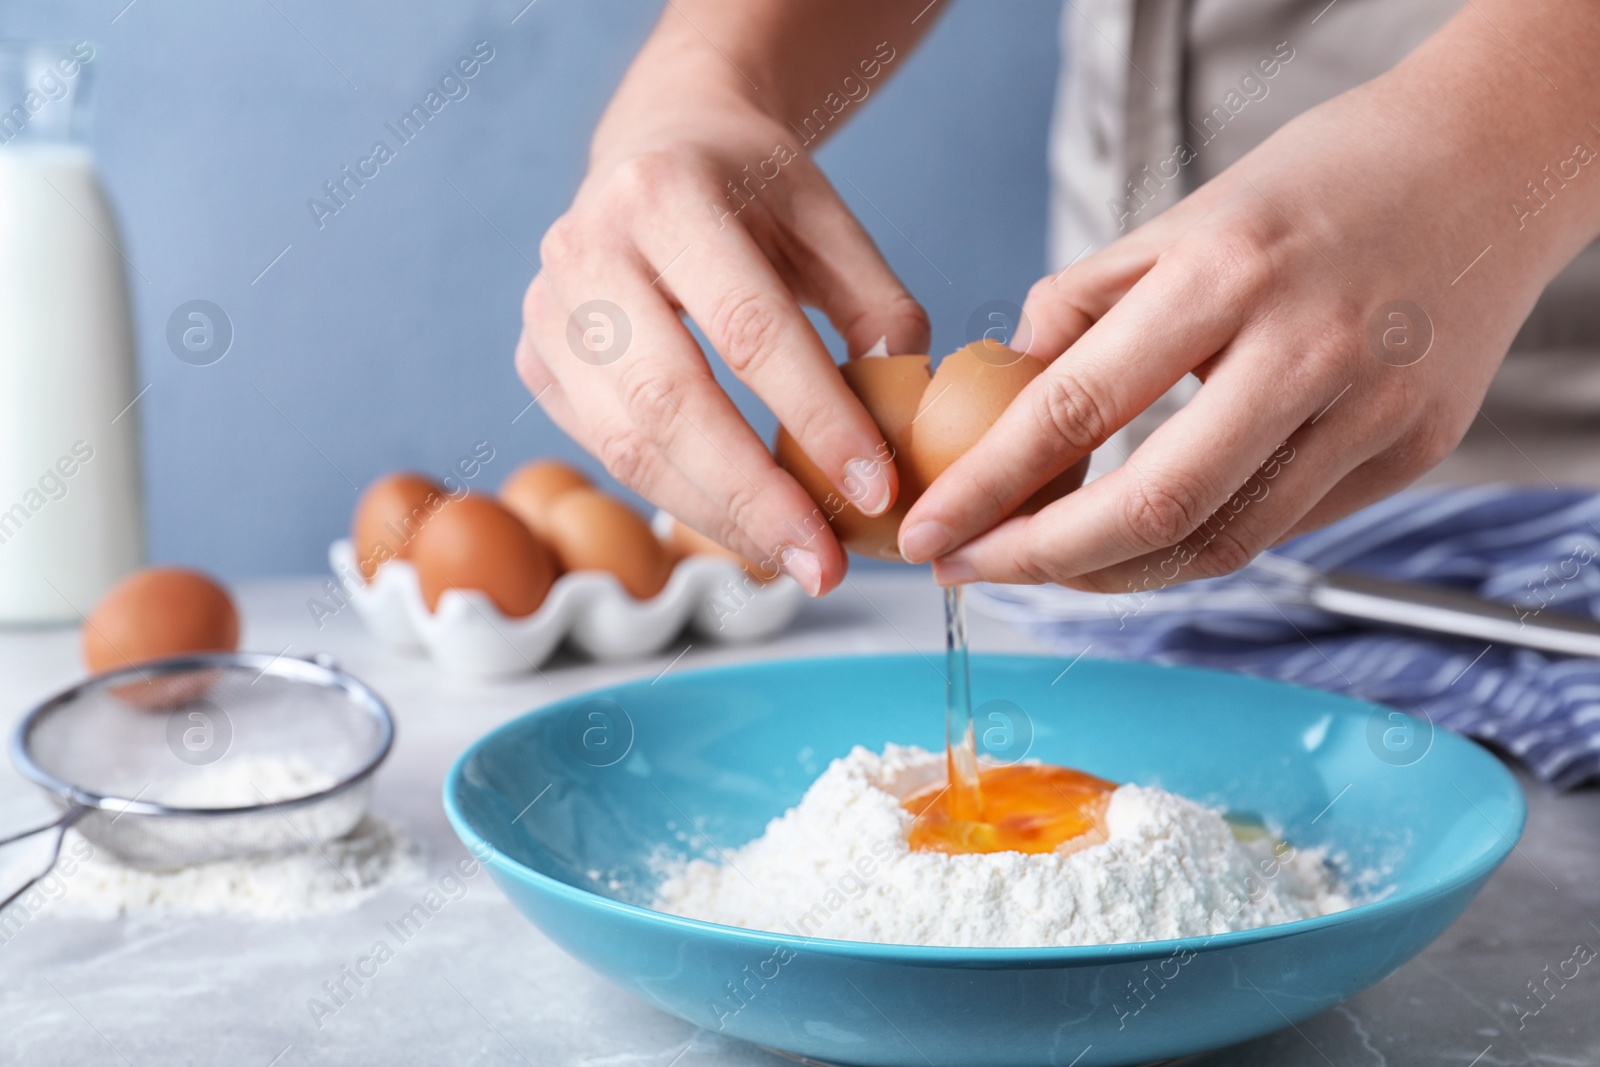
{"x":1022,"y":808}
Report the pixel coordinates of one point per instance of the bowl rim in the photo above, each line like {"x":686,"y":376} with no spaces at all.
{"x":963,"y":956}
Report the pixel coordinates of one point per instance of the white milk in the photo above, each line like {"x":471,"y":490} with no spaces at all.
{"x":70,"y":516}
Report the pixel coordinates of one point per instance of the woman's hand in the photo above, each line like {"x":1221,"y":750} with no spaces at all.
{"x":1328,"y":292}
{"x":698,"y":203}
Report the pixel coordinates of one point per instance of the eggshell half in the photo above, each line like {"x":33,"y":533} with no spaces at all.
{"x":891,"y":389}
{"x":928,"y":423}
{"x":969,"y":391}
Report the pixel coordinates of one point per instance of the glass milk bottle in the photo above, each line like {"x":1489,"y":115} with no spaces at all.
{"x":70,"y":514}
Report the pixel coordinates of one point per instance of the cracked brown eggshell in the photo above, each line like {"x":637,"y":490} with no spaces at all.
{"x":928,"y":423}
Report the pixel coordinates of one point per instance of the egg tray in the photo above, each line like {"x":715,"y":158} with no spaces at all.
{"x":468,"y":635}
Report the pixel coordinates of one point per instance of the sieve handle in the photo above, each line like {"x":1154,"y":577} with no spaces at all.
{"x":60,"y":825}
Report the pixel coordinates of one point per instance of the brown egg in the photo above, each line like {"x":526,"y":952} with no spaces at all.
{"x":534,"y":486}
{"x":591,"y":531}
{"x":684,"y":540}
{"x":156,"y":613}
{"x":890,"y":388}
{"x":969,"y":391}
{"x":929,"y":424}
{"x":389,"y":516}
{"x":476,"y":543}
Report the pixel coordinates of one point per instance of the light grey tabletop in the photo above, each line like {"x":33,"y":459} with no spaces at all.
{"x":479,"y":985}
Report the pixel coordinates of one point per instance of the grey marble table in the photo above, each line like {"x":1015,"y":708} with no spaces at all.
{"x":478,"y":985}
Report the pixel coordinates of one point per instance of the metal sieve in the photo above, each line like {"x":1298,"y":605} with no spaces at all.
{"x":204,"y":757}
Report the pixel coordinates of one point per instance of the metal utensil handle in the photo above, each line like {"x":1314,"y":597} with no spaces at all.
{"x":1434,"y":609}
{"x":60,"y":825}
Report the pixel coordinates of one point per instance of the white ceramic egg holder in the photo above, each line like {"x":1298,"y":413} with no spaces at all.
{"x":469,"y":636}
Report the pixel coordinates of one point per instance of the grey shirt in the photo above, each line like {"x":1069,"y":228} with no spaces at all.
{"x":1149,"y":83}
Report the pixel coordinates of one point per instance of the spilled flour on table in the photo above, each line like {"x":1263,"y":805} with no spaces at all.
{"x":837,"y":866}
{"x":294,"y":881}
{"x":335,"y":876}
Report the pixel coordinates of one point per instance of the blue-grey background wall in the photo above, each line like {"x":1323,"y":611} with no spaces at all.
{"x":384,"y":338}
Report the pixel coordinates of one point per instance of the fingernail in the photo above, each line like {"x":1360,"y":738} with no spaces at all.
{"x":866,"y":483}
{"x":924,"y":541}
{"x":803,"y":567}
{"x":953,"y":570}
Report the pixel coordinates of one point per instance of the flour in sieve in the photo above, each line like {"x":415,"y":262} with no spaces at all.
{"x":837,"y":866}
{"x":239,"y":781}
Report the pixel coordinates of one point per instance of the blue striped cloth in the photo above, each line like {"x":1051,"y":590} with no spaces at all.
{"x":1539,"y":549}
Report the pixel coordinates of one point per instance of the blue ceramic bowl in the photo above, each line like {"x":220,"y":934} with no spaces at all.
{"x":572,"y":806}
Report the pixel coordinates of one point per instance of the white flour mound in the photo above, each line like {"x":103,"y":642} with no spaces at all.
{"x":335,"y":876}
{"x":837,"y":866}
{"x":293,"y":881}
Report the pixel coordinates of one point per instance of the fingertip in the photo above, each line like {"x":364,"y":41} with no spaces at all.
{"x":909,"y":328}
{"x":812,"y":557}
{"x":955,"y":570}
{"x":835,"y":561}
{"x":869,"y":483}
{"x":804,"y":567}
{"x":901,"y":326}
{"x":880,"y":347}
{"x":1056,"y":313}
{"x":922,"y":540}
{"x":833,"y":577}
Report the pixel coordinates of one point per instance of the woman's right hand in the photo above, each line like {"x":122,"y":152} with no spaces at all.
{"x":702,"y":204}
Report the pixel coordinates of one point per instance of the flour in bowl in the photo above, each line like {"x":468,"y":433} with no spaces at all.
{"x":838,"y":866}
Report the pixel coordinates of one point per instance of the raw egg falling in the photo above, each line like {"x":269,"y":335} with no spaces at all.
{"x":929,"y":421}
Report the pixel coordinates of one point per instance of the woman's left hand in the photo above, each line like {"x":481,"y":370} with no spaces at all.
{"x":1345,"y":293}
